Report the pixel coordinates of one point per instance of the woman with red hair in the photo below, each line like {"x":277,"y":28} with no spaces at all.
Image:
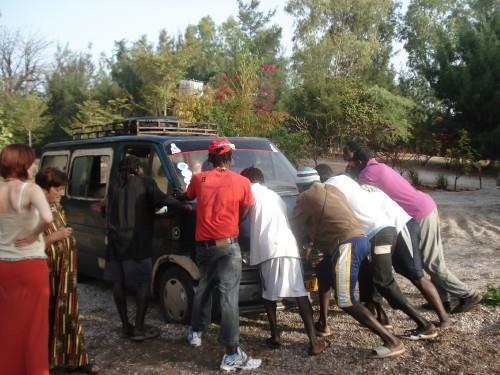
{"x":24,"y":281}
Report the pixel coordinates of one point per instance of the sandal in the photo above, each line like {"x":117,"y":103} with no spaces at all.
{"x":146,"y":334}
{"x":385,"y":352}
{"x":415,"y":334}
{"x":89,"y":368}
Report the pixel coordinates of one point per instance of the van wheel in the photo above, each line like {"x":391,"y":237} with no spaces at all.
{"x":176,"y":295}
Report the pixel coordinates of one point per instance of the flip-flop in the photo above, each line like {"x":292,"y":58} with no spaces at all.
{"x":385,"y":352}
{"x":326,"y":345}
{"x":415,"y":334}
{"x":320,"y":332}
{"x":148,"y":333}
{"x":272,"y":343}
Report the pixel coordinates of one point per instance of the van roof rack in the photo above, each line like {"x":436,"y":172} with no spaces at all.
{"x":168,"y":125}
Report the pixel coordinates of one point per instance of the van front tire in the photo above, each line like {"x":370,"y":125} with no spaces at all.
{"x":176,"y":295}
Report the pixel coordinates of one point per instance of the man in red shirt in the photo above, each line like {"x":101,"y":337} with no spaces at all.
{"x":223,"y":199}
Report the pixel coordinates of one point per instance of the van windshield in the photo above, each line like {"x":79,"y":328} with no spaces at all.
{"x":279,"y":174}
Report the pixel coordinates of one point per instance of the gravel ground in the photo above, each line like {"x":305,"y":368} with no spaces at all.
{"x":471,"y":234}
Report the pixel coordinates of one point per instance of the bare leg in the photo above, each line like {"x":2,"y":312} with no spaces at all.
{"x":431,"y":294}
{"x":363,"y":316}
{"x":377,"y":310}
{"x":324,"y":304}
{"x":306,"y":313}
{"x":270,"y":307}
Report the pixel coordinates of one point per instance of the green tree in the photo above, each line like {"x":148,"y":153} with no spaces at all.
{"x":124,"y":73}
{"x":341,"y":109}
{"x":245,"y":100}
{"x":90,"y":112}
{"x":108,"y":93}
{"x":392,"y":118}
{"x":207,"y":58}
{"x":252,"y":33}
{"x":462,"y":157}
{"x":68,"y":85}
{"x":6,"y":136}
{"x":341,"y":38}
{"x":428,"y":125}
{"x":291,"y":142}
{"x":260,"y":38}
{"x":26,"y":118}
{"x":454,"y":46}
{"x":424,"y":25}
{"x":150,"y":76}
{"x":342,"y":78}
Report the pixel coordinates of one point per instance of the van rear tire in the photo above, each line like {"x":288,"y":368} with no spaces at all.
{"x":176,"y":295}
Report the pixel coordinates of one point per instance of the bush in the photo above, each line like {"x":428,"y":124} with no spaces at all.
{"x":292,"y":144}
{"x":413,"y":176}
{"x":442,"y":182}
{"x":492,"y":296}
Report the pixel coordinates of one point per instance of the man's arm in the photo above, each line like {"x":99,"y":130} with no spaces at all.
{"x":161,"y":199}
{"x":192,"y":189}
{"x":247,"y":201}
{"x":244,"y":213}
{"x":300,"y":218}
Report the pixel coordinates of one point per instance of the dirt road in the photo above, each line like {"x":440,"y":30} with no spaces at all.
{"x":471,"y":233}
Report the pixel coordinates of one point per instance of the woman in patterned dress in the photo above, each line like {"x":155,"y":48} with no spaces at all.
{"x":66,"y":342}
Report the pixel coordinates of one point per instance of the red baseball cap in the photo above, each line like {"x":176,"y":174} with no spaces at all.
{"x":220,"y":146}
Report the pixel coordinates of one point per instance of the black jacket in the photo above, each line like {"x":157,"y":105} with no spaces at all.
{"x":130,"y":217}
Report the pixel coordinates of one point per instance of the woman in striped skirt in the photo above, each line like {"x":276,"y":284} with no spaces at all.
{"x":66,"y":342}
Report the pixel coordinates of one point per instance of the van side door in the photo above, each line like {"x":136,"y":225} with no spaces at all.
{"x":89,"y":175}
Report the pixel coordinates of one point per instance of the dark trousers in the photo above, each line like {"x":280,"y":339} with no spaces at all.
{"x":407,"y":258}
{"x":376,"y":275}
{"x":220,"y":268}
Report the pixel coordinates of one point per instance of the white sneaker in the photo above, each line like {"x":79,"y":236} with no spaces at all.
{"x":239,"y":361}
{"x":194,"y":337}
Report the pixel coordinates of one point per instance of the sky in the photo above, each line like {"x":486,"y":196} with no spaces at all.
{"x":79,"y":24}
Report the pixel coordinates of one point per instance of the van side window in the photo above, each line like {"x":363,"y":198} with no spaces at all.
{"x":151,"y":164}
{"x":57,"y":161}
{"x":89,"y":176}
{"x":158,"y":174}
